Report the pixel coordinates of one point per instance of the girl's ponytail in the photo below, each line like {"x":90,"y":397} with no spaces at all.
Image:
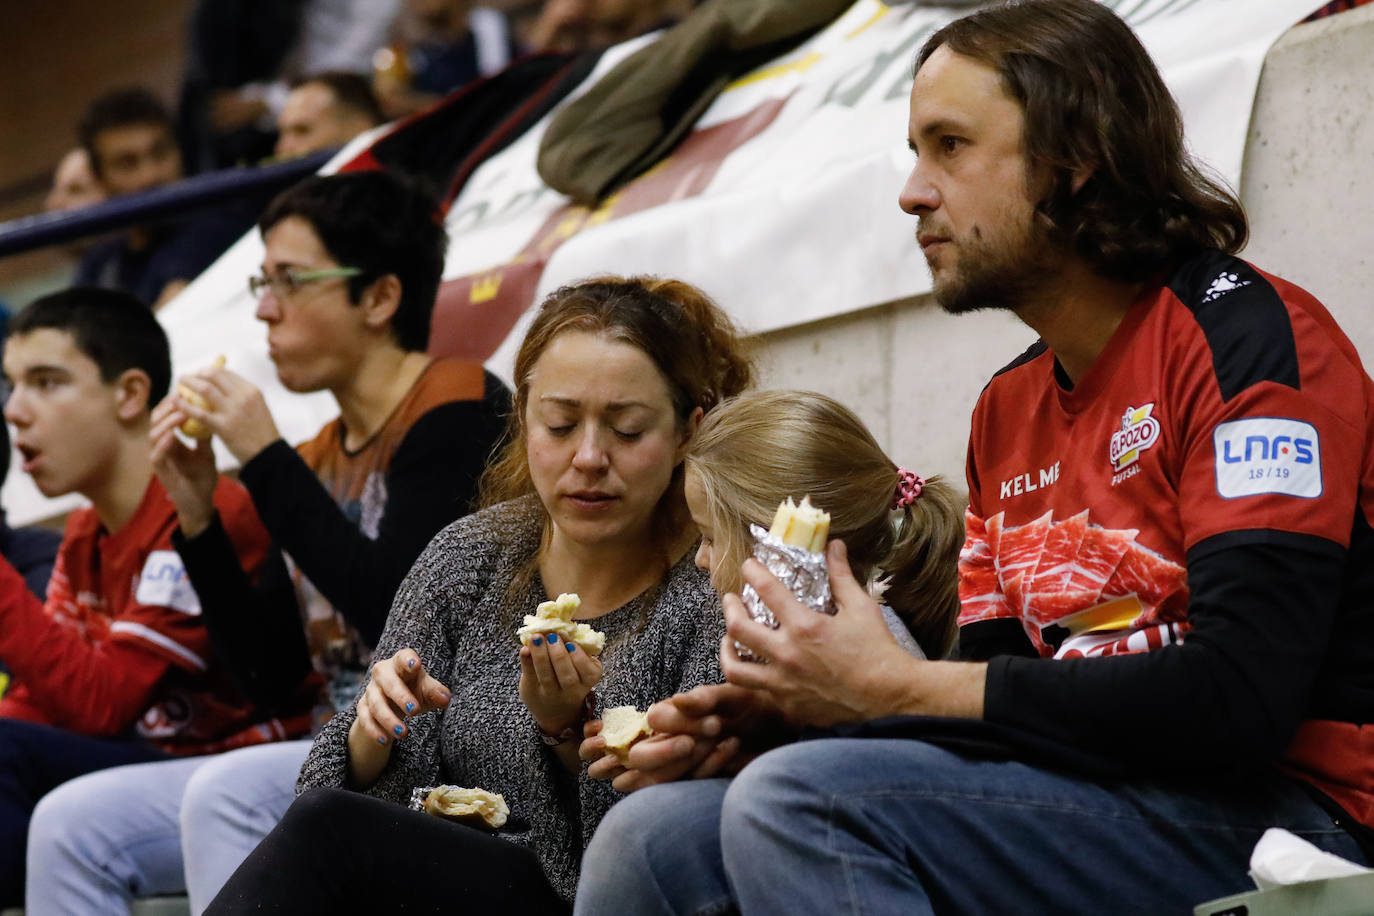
{"x":922,"y":566}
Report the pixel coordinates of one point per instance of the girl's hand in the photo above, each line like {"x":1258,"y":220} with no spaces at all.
{"x":708,"y":731}
{"x":555,"y":678}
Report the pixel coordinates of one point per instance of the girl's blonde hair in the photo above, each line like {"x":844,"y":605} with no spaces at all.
{"x":757,"y":449}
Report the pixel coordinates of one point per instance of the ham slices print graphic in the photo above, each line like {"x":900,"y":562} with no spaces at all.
{"x":1077,"y":588}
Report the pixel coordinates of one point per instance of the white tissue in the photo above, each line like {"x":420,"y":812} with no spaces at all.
{"x":1281,"y":858}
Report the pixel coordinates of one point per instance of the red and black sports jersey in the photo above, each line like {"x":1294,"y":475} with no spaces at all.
{"x":1227,"y":413}
{"x":119,"y":645}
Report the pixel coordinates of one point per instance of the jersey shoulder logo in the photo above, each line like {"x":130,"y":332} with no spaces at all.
{"x":164,"y":581}
{"x":1224,"y":283}
{"x":1267,"y":455}
{"x":1139,"y":430}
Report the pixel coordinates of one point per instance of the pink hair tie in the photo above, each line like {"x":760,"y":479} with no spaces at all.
{"x":909,"y":487}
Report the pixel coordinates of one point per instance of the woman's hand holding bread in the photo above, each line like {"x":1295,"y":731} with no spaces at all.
{"x":555,"y":678}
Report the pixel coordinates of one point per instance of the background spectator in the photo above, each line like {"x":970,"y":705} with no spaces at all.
{"x":439,"y":46}
{"x":74,"y":186}
{"x":245,"y":54}
{"x":325,"y":112}
{"x":73,"y":183}
{"x":129,"y":137}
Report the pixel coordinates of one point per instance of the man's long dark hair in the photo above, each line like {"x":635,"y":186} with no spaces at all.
{"x":1094,"y":102}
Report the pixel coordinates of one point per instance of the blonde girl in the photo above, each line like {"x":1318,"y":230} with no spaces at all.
{"x":903,"y":532}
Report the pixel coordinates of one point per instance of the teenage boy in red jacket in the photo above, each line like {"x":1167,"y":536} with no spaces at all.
{"x":115,"y":667}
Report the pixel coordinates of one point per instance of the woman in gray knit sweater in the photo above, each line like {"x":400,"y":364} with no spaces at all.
{"x":612,"y":380}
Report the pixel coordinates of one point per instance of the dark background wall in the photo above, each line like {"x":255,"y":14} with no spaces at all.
{"x":55,"y":56}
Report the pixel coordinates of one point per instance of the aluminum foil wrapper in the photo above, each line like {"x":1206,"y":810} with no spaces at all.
{"x":418,"y":796}
{"x":802,"y":571}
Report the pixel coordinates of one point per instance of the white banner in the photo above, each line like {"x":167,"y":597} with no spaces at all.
{"x":781,"y":203}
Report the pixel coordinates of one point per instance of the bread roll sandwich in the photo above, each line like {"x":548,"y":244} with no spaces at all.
{"x":793,"y":549}
{"x":193,"y":427}
{"x":556,"y":617}
{"x":801,"y":525}
{"x":474,"y":807}
{"x":621,"y":727}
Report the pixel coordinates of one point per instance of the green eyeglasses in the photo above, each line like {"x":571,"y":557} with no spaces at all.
{"x":289,"y":280}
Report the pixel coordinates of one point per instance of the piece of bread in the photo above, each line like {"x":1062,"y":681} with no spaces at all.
{"x":475,"y":807}
{"x":556,"y":617}
{"x":801,"y":525}
{"x":193,"y":427}
{"x":621,"y":727}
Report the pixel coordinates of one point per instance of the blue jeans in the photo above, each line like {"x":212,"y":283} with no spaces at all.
{"x":880,"y":826}
{"x":33,"y":760}
{"x":170,"y":827}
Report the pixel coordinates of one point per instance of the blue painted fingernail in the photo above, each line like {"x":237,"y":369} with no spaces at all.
{"x":382,"y":740}
{"x":572,"y":647}
{"x":553,"y":638}
{"x":411,"y":663}
{"x":410,"y":707}
{"x":537,"y":641}
{"x":399,"y":729}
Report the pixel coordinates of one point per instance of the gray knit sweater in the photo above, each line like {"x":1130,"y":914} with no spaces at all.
{"x":453,"y":609}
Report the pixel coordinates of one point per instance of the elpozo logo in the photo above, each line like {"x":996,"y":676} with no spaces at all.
{"x":1267,"y":455}
{"x":1138,"y":432}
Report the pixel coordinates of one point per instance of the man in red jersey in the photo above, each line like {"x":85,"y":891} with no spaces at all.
{"x":116,"y":666}
{"x":1167,"y":589}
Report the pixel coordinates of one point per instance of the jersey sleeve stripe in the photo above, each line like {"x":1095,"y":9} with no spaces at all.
{"x":1244,"y":320}
{"x":1309,"y":543}
{"x":161,"y":640}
